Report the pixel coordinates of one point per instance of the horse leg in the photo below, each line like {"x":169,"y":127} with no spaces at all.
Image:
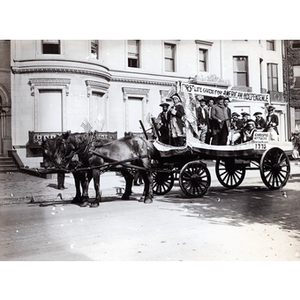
{"x":128,"y":186}
{"x":96,"y":177}
{"x":147,"y":196}
{"x":150,"y":189}
{"x":85,"y":180}
{"x":77,"y":199}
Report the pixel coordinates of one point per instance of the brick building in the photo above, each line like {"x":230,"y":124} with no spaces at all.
{"x":291,"y":79}
{"x":5,"y":98}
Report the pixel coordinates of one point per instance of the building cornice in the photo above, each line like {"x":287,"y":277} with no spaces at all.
{"x":202,"y":42}
{"x":58,"y":61}
{"x":64,"y":70}
{"x":142,"y":81}
{"x":49,"y":82}
{"x":97,"y":84}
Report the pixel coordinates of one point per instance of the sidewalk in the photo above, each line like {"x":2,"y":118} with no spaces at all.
{"x":20,"y":187}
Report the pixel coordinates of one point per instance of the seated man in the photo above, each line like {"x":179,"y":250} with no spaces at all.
{"x":235,"y":129}
{"x":249,"y":130}
{"x":260,"y":122}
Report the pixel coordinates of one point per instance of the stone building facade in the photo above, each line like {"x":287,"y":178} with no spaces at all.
{"x":109,"y":85}
{"x":291,"y":79}
{"x":5,"y":98}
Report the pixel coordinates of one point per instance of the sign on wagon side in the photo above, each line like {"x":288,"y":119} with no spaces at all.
{"x":260,"y":140}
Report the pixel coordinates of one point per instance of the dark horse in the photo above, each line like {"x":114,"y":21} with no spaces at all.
{"x":90,"y":154}
{"x":54,"y":157}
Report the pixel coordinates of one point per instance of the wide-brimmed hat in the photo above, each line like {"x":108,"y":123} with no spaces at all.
{"x":177,"y":96}
{"x":234,"y":114}
{"x":257,"y":113}
{"x":271,"y":107}
{"x":199,"y":98}
{"x":164,"y":104}
{"x":220,"y":98}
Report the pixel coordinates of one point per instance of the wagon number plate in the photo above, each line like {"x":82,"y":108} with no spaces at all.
{"x":260,"y":140}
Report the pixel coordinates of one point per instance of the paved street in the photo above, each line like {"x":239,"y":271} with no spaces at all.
{"x":250,"y":223}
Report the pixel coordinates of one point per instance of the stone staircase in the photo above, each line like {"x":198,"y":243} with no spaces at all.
{"x":7,"y":164}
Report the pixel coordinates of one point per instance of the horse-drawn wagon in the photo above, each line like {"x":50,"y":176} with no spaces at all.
{"x":160,"y":164}
{"x":271,"y":158}
{"x":231,"y":163}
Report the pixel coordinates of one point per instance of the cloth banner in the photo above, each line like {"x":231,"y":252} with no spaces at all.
{"x":215,"y":92}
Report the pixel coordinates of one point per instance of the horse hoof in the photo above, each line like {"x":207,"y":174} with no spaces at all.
{"x":85,"y":204}
{"x":125,"y":197}
{"x":148,"y":201}
{"x":76,"y":201}
{"x":93,"y":205}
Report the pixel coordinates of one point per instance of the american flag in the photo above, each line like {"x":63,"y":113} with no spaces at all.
{"x":86,"y":126}
{"x":100,"y":121}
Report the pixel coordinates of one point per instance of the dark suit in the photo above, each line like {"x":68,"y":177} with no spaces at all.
{"x":229,"y":112}
{"x":202,"y":122}
{"x":260,"y":124}
{"x":177,"y":112}
{"x":209,"y":134}
{"x":237,"y":125}
{"x":163,"y":120}
{"x":220,"y":130}
{"x":202,"y":119}
{"x":272,"y":121}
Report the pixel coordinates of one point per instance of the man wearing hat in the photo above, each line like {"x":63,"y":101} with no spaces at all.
{"x":249,"y":131}
{"x":272,"y":123}
{"x":210,"y":104}
{"x":163,"y":123}
{"x":260,"y":122}
{"x":176,"y":121}
{"x":245,"y":117}
{"x":236,"y":128}
{"x":202,"y":119}
{"x":220,"y":116}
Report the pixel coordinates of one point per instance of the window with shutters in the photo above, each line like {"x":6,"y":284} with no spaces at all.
{"x":203,"y":60}
{"x":240,"y":70}
{"x":296,"y":44}
{"x":271,"y":45}
{"x":296,"y":70}
{"x":169,"y":57}
{"x":49,"y":112}
{"x":133,"y":47}
{"x":94,"y":48}
{"x":272,"y":70}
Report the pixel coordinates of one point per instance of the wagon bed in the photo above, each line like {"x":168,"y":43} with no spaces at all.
{"x":232,"y":161}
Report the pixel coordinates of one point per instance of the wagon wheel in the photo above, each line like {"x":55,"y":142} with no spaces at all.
{"x":274,"y":168}
{"x":194,"y":179}
{"x":162,"y":182}
{"x":229,"y":174}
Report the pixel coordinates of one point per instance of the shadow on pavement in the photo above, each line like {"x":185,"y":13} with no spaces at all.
{"x":69,"y":202}
{"x":244,"y":205}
